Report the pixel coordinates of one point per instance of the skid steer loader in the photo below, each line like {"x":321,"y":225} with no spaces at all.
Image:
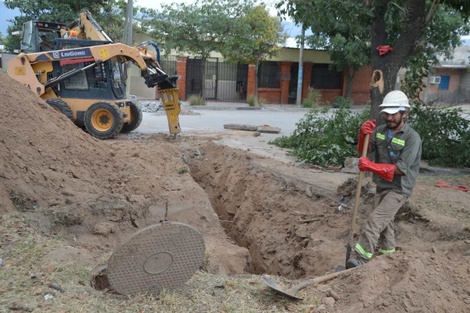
{"x":84,"y":76}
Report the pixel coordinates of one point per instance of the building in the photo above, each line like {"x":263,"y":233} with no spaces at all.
{"x":450,"y":79}
{"x":277,"y":78}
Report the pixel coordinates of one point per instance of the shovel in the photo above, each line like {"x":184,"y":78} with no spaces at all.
{"x":356,"y":205}
{"x":292,"y":291}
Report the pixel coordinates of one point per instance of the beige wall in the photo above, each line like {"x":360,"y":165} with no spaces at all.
{"x":433,"y":94}
{"x":292,"y":54}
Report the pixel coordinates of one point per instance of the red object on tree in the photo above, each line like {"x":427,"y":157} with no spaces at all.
{"x":384,"y":49}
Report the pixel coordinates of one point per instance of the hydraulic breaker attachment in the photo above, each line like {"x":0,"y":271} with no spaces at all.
{"x":168,"y":91}
{"x":162,"y":80}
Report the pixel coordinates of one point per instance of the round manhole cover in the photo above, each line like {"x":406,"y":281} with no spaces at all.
{"x":160,"y":256}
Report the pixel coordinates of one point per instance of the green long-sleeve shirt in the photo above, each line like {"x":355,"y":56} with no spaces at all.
{"x":402,"y":149}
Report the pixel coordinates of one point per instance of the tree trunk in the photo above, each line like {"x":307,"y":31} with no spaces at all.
{"x":349,"y":81}
{"x":391,"y":62}
{"x":256,"y":79}
{"x":203,"y":77}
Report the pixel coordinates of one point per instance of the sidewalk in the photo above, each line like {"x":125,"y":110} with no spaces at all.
{"x":220,"y":105}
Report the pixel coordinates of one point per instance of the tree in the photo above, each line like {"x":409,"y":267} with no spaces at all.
{"x":199,"y":28}
{"x":414,"y":29}
{"x":339,"y":27}
{"x":257,"y":38}
{"x":109,"y":14}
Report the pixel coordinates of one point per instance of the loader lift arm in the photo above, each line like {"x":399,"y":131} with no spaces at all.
{"x":84,"y":47}
{"x":85,"y":27}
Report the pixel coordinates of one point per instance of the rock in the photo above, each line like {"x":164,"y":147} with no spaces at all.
{"x":333,"y":295}
{"x":103,"y":228}
{"x":269,"y":129}
{"x":329,"y":302}
{"x":350,"y":166}
{"x":241,"y":127}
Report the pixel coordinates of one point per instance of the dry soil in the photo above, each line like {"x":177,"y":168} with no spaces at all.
{"x":258,"y":215}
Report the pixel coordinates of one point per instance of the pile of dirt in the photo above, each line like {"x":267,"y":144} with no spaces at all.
{"x":270,"y":217}
{"x":97,"y":193}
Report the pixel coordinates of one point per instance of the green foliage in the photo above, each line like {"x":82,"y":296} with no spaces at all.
{"x":252,"y":100}
{"x":342,"y":102}
{"x":257,"y":36}
{"x":340,"y":27}
{"x":445,"y":134}
{"x":445,"y":32}
{"x":196,"y":100}
{"x":313,"y":98}
{"x":182,"y":170}
{"x":352,"y":30}
{"x":325,"y":139}
{"x":199,"y":28}
{"x":108,"y":13}
{"x":255,"y":101}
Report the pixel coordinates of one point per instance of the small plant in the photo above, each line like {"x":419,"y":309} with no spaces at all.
{"x":195,"y":100}
{"x":445,"y":134}
{"x":342,"y":102}
{"x":313,"y":98}
{"x":325,"y":139}
{"x":252,"y":101}
{"x":182,"y":170}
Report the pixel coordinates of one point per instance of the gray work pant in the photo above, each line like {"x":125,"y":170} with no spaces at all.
{"x":379,"y":227}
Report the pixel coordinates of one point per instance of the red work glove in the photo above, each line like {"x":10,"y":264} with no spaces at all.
{"x":366,"y":128}
{"x":384,"y":170}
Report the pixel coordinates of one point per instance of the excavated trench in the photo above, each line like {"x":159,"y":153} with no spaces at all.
{"x":289,"y":225}
{"x":286,"y":216}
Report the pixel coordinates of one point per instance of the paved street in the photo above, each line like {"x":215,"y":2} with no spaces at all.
{"x":213,"y":119}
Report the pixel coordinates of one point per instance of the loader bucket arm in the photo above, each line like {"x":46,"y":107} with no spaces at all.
{"x":167,"y":88}
{"x":86,"y":27}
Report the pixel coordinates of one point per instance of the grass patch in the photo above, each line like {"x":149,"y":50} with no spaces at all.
{"x":196,"y":100}
{"x":31,"y":285}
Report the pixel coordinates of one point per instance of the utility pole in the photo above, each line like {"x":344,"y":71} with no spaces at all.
{"x":128,"y":31}
{"x":300,"y":76}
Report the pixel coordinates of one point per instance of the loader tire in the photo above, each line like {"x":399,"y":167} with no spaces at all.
{"x":104,"y":120}
{"x":136,"y":114}
{"x":60,"y":106}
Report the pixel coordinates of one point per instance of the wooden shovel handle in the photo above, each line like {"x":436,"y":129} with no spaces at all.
{"x":358,"y":192}
{"x":317,"y":280}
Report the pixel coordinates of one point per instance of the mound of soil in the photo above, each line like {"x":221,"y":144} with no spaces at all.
{"x":256,"y":214}
{"x":97,"y":193}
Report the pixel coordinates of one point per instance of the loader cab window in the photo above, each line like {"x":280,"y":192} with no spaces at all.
{"x":78,"y":81}
{"x":28,"y":42}
{"x":117,"y":77}
{"x":45,"y":42}
{"x":34,"y":30}
{"x":98,"y":77}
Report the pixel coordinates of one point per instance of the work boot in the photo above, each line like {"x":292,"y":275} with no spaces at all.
{"x":354,"y":263}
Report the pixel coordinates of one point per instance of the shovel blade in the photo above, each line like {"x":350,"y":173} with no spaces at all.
{"x":275,"y":286}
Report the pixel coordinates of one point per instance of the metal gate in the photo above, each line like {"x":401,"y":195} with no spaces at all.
{"x":223,"y":81}
{"x":194,"y":79}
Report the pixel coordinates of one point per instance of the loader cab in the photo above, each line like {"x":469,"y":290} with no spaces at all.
{"x":106,"y":80}
{"x":34,"y":30}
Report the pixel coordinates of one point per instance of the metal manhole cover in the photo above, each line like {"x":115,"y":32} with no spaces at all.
{"x":160,"y":256}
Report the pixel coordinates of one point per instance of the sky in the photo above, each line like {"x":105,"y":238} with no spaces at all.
{"x":290,"y":28}
{"x":7,"y":14}
{"x":4,"y":16}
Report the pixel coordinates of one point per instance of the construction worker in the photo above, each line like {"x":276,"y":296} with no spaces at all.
{"x":45,"y":45}
{"x":393,"y":156}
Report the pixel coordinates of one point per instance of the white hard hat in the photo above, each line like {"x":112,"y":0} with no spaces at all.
{"x":395,"y":101}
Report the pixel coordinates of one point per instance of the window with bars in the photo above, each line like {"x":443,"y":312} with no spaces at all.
{"x":268,"y":75}
{"x":324,"y":78}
